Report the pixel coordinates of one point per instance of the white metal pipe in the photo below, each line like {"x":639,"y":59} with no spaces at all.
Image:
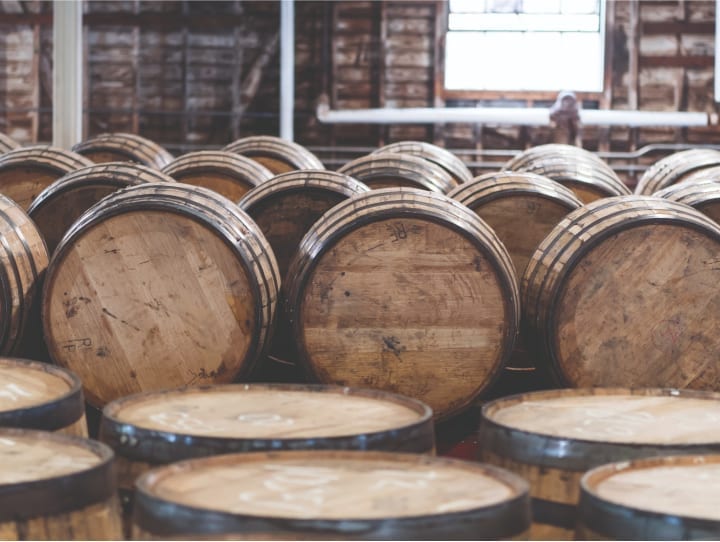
{"x":67,"y":73}
{"x":534,"y":116}
{"x":287,"y":68}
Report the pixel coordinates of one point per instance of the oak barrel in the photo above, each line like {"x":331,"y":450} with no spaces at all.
{"x":363,"y":495}
{"x":674,"y":168}
{"x":442,"y":157}
{"x":7,"y":143}
{"x":404,"y":290}
{"x":285,"y":208}
{"x":701,"y":195}
{"x":584,"y":172}
{"x":23,"y":261}
{"x":159,"y":285}
{"x":56,"y":487}
{"x":664,"y":498}
{"x":623,"y":292}
{"x":36,"y":395}
{"x":229,"y":174}
{"x":711,"y":173}
{"x":551,"y":438}
{"x":389,"y":169}
{"x":124,"y":147}
{"x":58,"y":206}
{"x":27,"y":171}
{"x":277,"y":154}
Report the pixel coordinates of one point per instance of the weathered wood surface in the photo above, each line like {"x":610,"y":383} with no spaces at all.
{"x":27,"y":171}
{"x":437,"y":155}
{"x":285,"y":208}
{"x":120,"y":146}
{"x":551,"y":438}
{"x":369,"y":495}
{"x":229,"y":174}
{"x":391,"y":169}
{"x":404,"y":290}
{"x":161,"y":285}
{"x":7,"y":143}
{"x":674,"y":168}
{"x":588,"y":176}
{"x":701,"y":195}
{"x":668,"y":498}
{"x":23,"y":262}
{"x":36,"y":467}
{"x":276,"y":154}
{"x":58,"y":206}
{"x":628,"y":278}
{"x":37,"y":395}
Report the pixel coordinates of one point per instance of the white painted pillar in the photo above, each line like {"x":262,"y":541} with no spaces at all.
{"x":287,"y":68}
{"x":67,"y":72}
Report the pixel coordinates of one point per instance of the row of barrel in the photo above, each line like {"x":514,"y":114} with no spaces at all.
{"x":304,"y":462}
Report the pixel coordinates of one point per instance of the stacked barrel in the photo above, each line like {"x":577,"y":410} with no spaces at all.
{"x":242,"y":344}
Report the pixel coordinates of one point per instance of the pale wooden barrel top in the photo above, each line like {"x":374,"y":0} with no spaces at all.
{"x":675,"y":167}
{"x":30,"y":456}
{"x":27,"y":384}
{"x":615,"y":417}
{"x":331,"y":485}
{"x":109,"y":147}
{"x":263,"y":412}
{"x":442,"y":157}
{"x":679,"y":486}
{"x":277,"y":154}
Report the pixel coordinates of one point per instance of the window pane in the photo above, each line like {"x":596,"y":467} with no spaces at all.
{"x":541,"y":6}
{"x":580,"y":6}
{"x":467,"y":6}
{"x":522,"y":22}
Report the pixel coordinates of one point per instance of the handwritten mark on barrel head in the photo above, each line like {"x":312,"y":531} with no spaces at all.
{"x":666,"y":334}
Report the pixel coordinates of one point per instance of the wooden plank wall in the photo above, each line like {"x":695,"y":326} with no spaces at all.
{"x":204,"y":73}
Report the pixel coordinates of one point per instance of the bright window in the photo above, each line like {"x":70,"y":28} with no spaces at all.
{"x":525,"y":45}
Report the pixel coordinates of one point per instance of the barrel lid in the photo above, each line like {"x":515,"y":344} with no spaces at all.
{"x":442,"y":157}
{"x":344,"y":491}
{"x":133,"y":146}
{"x":275,"y":149}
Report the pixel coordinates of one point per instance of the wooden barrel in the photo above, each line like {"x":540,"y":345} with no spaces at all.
{"x":37,"y":395}
{"x":123,"y":147}
{"x":153,"y":429}
{"x":277,"y":154}
{"x":285,"y":208}
{"x":701,"y":195}
{"x":27,"y":171}
{"x":389,"y":169}
{"x":711,"y":173}
{"x":7,"y":143}
{"x":157,"y":286}
{"x":23,"y":261}
{"x":58,"y":206}
{"x":407,"y":291}
{"x":363,"y":495}
{"x":56,"y":487}
{"x":627,"y":278}
{"x":664,"y":498}
{"x":229,"y":174}
{"x":551,"y":438}
{"x":522,"y":208}
{"x":437,"y":155}
{"x":539,"y":153}
{"x":674,"y":168}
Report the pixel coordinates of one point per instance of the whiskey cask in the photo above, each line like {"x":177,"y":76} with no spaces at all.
{"x":539,"y":153}
{"x":58,"y":206}
{"x":56,"y":487}
{"x":277,"y":154}
{"x":522,"y":208}
{"x":437,"y":155}
{"x":285,"y":208}
{"x":23,"y":261}
{"x":229,"y":174}
{"x":551,"y":438}
{"x":711,"y":173}
{"x":701,"y":195}
{"x":628,"y":278}
{"x":36,"y":395}
{"x":664,"y":498}
{"x":407,"y":291}
{"x":389,"y":169}
{"x":159,"y":285}
{"x":27,"y":171}
{"x":158,"y":428}
{"x":7,"y":143}
{"x":674,"y":168}
{"x":123,"y":147}
{"x":363,"y":495}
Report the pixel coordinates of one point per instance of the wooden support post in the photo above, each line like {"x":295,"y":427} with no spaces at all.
{"x":67,"y":73}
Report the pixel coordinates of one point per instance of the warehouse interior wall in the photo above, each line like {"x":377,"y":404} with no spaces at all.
{"x":201,"y":74}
